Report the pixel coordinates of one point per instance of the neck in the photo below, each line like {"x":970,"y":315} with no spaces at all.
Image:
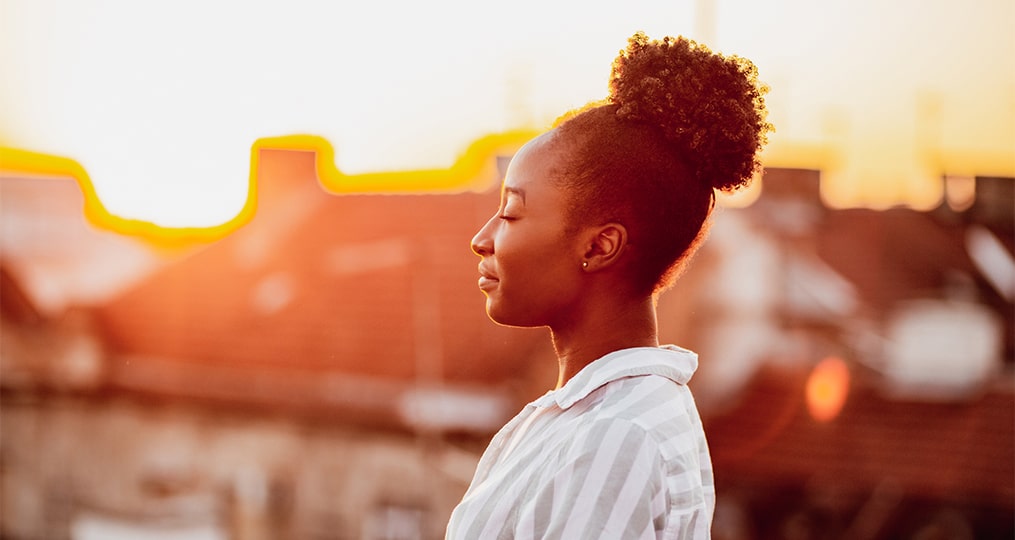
{"x":601,"y":332}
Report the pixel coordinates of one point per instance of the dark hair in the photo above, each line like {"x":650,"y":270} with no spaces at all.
{"x":680,"y":122}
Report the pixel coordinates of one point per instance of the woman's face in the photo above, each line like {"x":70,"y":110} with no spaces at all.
{"x":531,"y":268}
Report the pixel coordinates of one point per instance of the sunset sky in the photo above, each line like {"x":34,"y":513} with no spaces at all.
{"x":161,"y":102}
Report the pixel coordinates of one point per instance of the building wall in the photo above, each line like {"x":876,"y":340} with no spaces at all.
{"x":72,"y":467}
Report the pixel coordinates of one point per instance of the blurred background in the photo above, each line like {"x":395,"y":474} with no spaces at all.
{"x":237,"y":299}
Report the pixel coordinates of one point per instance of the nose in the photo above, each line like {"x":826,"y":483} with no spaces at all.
{"x":482,"y":243}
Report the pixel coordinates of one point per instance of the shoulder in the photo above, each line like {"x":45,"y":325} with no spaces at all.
{"x":648,"y":411}
{"x":645,"y":401}
{"x":654,"y":408}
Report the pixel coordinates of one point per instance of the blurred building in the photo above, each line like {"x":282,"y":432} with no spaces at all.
{"x":857,"y":368}
{"x":327,"y":371}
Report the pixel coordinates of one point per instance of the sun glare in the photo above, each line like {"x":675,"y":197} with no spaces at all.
{"x":165,"y":142}
{"x":827,"y":389}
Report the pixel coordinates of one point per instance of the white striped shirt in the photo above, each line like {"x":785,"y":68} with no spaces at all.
{"x":617,"y":453}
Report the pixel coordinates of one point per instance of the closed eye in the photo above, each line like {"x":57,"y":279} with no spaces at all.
{"x":506,"y":218}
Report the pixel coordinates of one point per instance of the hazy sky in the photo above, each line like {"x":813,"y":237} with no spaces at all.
{"x":161,"y":102}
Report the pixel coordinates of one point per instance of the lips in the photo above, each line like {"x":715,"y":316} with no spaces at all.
{"x":487,"y":279}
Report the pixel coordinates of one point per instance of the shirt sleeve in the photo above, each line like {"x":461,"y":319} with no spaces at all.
{"x":611,"y":485}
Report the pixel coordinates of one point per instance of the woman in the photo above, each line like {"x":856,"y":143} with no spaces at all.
{"x":597,"y":217}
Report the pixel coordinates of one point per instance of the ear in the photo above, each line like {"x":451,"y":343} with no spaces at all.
{"x":603,"y":246}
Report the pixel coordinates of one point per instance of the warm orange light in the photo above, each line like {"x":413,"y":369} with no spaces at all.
{"x":474,"y":170}
{"x":742,"y":198}
{"x":960,"y":192}
{"x":827,"y":389}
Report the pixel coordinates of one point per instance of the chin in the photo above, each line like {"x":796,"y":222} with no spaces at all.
{"x":504,"y":318}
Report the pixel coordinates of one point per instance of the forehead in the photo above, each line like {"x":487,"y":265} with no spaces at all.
{"x":532,"y":166}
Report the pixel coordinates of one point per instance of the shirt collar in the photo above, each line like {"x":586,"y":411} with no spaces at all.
{"x":674,"y":363}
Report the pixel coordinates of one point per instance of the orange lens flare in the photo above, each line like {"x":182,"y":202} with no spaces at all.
{"x":827,"y":389}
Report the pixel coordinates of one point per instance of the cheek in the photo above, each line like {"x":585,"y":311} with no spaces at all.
{"x":537,"y":284}
{"x":529,"y":259}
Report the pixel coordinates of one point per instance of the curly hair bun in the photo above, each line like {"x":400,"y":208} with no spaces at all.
{"x":709,"y":107}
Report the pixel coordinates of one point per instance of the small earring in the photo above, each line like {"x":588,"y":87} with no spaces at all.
{"x":585,"y":264}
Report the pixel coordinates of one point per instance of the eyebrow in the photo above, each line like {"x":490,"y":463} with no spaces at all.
{"x":519,"y":192}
